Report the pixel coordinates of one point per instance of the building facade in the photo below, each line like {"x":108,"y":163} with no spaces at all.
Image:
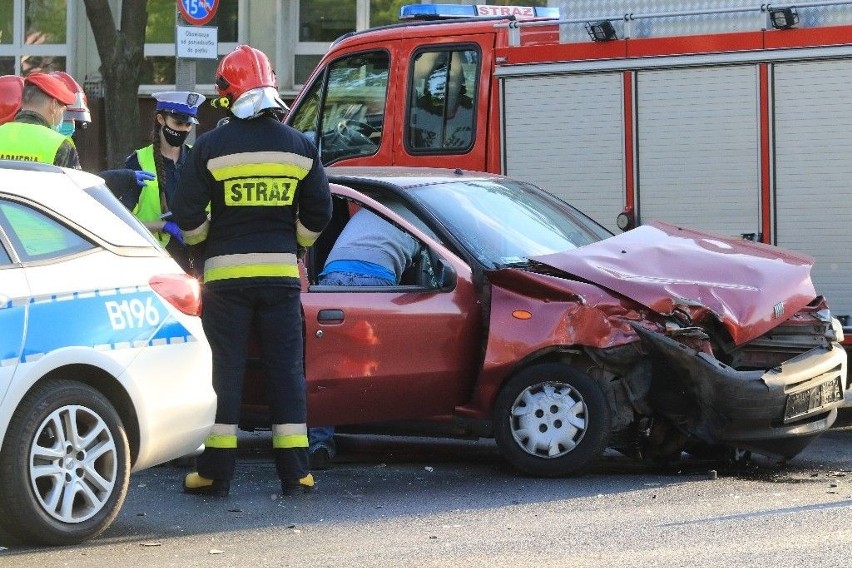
{"x":52,"y":35}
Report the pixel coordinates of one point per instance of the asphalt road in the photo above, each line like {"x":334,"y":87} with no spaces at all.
{"x":409,"y":502}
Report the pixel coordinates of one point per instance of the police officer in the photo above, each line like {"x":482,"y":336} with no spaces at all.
{"x":268,"y":195}
{"x":175,"y":115}
{"x":33,"y":134}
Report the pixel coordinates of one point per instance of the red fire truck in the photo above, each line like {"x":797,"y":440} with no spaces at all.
{"x":735,"y":118}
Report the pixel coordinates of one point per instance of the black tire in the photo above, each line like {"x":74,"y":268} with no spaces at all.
{"x":568,"y":428}
{"x":80,"y":484}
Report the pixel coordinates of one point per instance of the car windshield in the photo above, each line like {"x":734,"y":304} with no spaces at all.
{"x":504,"y":223}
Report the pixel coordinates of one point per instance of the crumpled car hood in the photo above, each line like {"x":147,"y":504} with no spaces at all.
{"x":751,"y":287}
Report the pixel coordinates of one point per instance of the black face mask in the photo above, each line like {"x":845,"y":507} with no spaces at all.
{"x":174,"y":137}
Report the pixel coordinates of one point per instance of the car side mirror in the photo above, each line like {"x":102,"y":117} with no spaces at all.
{"x":445,"y":275}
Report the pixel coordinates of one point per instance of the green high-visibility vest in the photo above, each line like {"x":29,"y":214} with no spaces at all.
{"x":29,"y":142}
{"x":148,"y":208}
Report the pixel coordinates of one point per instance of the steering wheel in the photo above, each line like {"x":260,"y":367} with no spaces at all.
{"x":356,"y":133}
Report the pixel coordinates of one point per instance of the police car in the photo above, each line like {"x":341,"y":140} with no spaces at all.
{"x":104,"y":367}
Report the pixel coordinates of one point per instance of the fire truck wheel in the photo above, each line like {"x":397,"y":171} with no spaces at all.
{"x":551,"y":420}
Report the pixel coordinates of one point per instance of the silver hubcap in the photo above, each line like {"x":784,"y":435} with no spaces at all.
{"x":549,"y":419}
{"x":73,"y":464}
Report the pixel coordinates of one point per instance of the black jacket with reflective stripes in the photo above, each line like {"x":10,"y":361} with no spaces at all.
{"x":267,"y":191}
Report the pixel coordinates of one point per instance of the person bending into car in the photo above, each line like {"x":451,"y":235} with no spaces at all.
{"x":268,"y":195}
{"x":369,"y":252}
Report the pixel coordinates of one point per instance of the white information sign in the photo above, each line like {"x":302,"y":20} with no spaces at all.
{"x":198,"y":42}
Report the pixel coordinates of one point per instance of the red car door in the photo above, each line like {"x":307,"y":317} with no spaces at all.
{"x":387,"y":355}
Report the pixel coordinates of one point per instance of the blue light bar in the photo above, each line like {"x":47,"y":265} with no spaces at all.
{"x":447,"y":11}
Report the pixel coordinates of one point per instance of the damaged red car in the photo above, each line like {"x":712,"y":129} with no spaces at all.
{"x":524,"y":320}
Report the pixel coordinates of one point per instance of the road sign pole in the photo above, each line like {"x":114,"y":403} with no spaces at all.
{"x":184,"y":71}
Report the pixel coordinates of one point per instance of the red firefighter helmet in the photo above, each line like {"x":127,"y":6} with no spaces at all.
{"x":246,"y":79}
{"x":79,"y":109}
{"x":11,"y":90}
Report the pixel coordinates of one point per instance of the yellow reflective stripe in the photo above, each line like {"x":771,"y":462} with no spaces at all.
{"x":250,"y":265}
{"x":289,"y":436}
{"x":247,"y":258}
{"x":258,"y":170}
{"x":223,"y":442}
{"x":260,"y":164}
{"x":305,"y":237}
{"x":198,"y":234}
{"x":251,"y":271}
{"x":294,"y":441}
{"x":274,"y":157}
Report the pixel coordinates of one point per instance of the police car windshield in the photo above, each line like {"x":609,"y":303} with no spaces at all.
{"x":105,"y":197}
{"x":503,"y":223}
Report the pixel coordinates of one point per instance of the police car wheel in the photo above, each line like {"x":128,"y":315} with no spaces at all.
{"x":64,"y":467}
{"x":551,"y":420}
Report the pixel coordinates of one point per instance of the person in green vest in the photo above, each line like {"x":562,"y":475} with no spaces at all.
{"x":174,"y":116}
{"x":33,"y":135}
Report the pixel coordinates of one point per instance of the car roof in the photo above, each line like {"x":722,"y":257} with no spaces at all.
{"x":62,"y":190}
{"x":405,"y":177}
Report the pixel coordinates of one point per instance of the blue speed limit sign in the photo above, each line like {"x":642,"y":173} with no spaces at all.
{"x":198,"y":12}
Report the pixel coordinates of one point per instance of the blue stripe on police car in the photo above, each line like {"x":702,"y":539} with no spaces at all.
{"x":111,"y":319}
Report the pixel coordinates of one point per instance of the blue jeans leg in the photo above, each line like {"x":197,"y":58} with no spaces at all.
{"x":322,"y":437}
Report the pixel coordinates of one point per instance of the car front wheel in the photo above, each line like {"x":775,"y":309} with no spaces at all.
{"x":64,"y":468}
{"x":551,"y":420}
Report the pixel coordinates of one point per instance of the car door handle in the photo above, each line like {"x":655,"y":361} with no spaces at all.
{"x":330,"y":316}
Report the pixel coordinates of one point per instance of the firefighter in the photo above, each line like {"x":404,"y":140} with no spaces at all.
{"x":11,"y":90}
{"x":33,"y":134}
{"x":77,"y":115}
{"x":268,"y":196}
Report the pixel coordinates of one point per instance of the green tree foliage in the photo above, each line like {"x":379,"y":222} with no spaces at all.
{"x":384,"y":12}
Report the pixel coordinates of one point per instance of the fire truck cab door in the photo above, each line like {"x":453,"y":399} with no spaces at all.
{"x":347,"y":106}
{"x":445,"y":104}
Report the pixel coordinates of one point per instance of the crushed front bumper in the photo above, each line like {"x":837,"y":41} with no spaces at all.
{"x":774,"y":412}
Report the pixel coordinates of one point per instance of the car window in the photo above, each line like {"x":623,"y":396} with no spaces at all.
{"x":419,"y":272}
{"x":35,"y":236}
{"x":397,"y":206}
{"x":5,"y":259}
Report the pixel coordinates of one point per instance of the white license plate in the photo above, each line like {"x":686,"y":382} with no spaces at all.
{"x":807,"y":401}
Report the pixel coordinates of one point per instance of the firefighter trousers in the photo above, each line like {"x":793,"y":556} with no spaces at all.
{"x":274,"y":314}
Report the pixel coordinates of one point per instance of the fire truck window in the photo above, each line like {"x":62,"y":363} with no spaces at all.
{"x":305,"y":117}
{"x":444,"y":84}
{"x":353,"y":107}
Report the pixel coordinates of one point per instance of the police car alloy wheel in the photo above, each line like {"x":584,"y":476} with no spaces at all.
{"x":65,"y":465}
{"x":551,"y":420}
